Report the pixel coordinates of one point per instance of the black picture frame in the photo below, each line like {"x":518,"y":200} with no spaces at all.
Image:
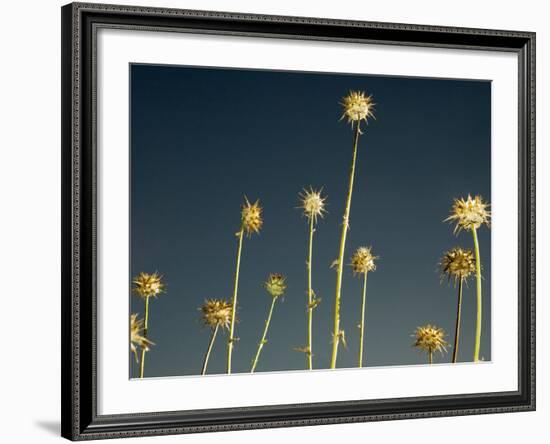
{"x":80,"y":420}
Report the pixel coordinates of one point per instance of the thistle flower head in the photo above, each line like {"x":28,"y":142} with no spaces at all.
{"x":458,"y":264}
{"x":216,"y":313}
{"x":469,"y":213}
{"x":362,"y":261}
{"x":357,"y":107}
{"x":312,"y":204}
{"x":147,"y":285}
{"x":251,"y":217}
{"x":275,"y":285}
{"x":136,"y":337}
{"x":430,"y":338}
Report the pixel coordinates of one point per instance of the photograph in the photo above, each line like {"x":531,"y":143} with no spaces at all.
{"x":295,"y":221}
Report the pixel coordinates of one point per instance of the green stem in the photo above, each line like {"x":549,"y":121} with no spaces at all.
{"x":457,"y":325}
{"x":234,"y":303}
{"x":362,"y":325}
{"x":345,"y":226}
{"x":263,"y":340}
{"x":430,"y":356}
{"x":478,"y":300}
{"x":211,"y":343}
{"x":145,"y":329}
{"x":310,"y":299}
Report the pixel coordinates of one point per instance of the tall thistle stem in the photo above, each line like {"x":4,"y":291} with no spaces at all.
{"x":345,"y":226}
{"x":478,"y":299}
{"x":310,"y":298}
{"x":145,"y":329}
{"x":211,"y":343}
{"x":457,"y":324}
{"x":234,"y":302}
{"x":362,"y":325}
{"x":263,"y":341}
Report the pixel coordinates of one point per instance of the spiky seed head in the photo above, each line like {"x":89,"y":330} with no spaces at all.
{"x":275,"y":284}
{"x":430,"y":338}
{"x":216,"y":313}
{"x":312,"y":204}
{"x":147,"y":285}
{"x":469,"y":213}
{"x":251,"y":217}
{"x":458,"y":264}
{"x":357,"y":106}
{"x":362,"y":261}
{"x":136,"y":336}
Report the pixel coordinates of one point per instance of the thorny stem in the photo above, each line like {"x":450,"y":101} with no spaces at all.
{"x":211,"y":343}
{"x":263,"y":340}
{"x":362,"y":325}
{"x":145,"y":328}
{"x":310,"y":299}
{"x":345,"y":227}
{"x":234,"y":303}
{"x":457,"y":325}
{"x":478,"y":299}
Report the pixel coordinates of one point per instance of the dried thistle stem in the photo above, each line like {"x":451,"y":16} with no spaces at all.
{"x":210,"y":345}
{"x":345,"y":226}
{"x":478,"y":299}
{"x":430,"y":356}
{"x":263,"y":341}
{"x":234,"y":302}
{"x":145,"y":329}
{"x":457,"y":324}
{"x":362,"y":325}
{"x":310,"y":298}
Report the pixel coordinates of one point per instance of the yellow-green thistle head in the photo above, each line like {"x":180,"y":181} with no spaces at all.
{"x":216,"y":313}
{"x":136,"y":335}
{"x":251,"y":217}
{"x":469,"y":213}
{"x":362,"y":260}
{"x":458,"y":264}
{"x":275,"y":285}
{"x":312,"y":204}
{"x":147,"y":285}
{"x":430,"y":338}
{"x":357,"y":106}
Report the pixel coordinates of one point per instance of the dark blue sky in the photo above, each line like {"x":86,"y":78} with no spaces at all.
{"x":203,"y":138}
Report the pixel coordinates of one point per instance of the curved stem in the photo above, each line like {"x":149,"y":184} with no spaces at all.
{"x":362,"y":325}
{"x":263,"y":340}
{"x":345,"y":226}
{"x":457,"y":324}
{"x":234,"y":303}
{"x":210,"y":344}
{"x":478,"y":299}
{"x":145,"y":329}
{"x":310,"y":298}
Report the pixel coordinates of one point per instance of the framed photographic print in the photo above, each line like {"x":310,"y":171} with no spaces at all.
{"x":282,"y":221}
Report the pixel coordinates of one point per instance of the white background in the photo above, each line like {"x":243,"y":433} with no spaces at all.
{"x":30,"y":233}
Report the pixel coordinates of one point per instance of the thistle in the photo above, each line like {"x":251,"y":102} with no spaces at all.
{"x":147,"y":286}
{"x":430,"y":338}
{"x":471,"y":214}
{"x":136,"y":337}
{"x":313,"y":207}
{"x":357,"y":107}
{"x":251,"y":222}
{"x":216,"y":313}
{"x":361,"y":263}
{"x":457,"y":265}
{"x":275,"y":286}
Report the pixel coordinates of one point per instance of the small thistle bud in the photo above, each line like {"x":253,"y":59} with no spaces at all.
{"x":275,"y":285}
{"x":251,"y":217}
{"x":469,"y":213}
{"x":362,"y":261}
{"x":147,"y":285}
{"x":312,"y":204}
{"x":216,"y":313}
{"x":430,"y":338}
{"x":357,"y":107}
{"x":458,"y":264}
{"x":136,"y":335}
